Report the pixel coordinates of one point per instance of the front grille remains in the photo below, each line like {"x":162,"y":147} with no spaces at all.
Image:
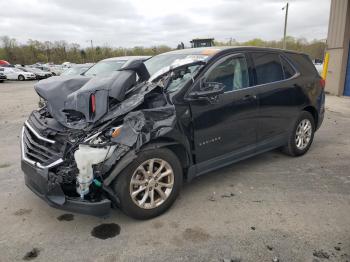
{"x":37,"y":149}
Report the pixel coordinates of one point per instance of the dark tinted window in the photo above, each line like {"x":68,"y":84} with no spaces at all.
{"x":268,"y":67}
{"x":287,"y":68}
{"x":232,"y":72}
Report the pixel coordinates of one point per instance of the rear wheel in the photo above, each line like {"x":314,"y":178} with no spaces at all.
{"x":21,"y":78}
{"x":302,"y":135}
{"x":150,"y":184}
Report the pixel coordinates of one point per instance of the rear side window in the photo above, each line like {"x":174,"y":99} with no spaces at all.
{"x":268,"y":67}
{"x":287,"y":68}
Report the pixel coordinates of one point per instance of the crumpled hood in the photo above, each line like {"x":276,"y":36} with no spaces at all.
{"x":69,"y":98}
{"x":78,"y":101}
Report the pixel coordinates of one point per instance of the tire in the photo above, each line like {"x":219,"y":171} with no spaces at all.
{"x":300,"y":147}
{"x":21,"y":78}
{"x":1,"y":81}
{"x":123,"y":187}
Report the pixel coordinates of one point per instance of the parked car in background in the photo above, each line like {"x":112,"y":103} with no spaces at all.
{"x":13,"y":73}
{"x":76,"y":70}
{"x":39,"y":74}
{"x":133,"y":141}
{"x":4,"y":63}
{"x":2,"y":75}
{"x":106,"y":66}
{"x":53,"y":69}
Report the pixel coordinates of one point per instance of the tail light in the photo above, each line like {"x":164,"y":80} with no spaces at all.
{"x":93,"y":103}
{"x":322,"y":82}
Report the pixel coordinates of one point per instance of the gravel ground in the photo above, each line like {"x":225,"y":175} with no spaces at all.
{"x":268,"y":208}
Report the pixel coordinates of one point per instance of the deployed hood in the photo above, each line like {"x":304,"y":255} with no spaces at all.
{"x":77,"y":101}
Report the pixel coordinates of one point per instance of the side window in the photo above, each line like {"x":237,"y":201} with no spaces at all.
{"x":268,"y":67}
{"x":232,"y":72}
{"x":287,"y":68}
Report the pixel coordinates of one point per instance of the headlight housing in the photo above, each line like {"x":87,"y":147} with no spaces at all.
{"x":103,"y":137}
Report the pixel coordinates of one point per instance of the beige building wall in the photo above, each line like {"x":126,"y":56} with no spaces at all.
{"x":338,"y":46}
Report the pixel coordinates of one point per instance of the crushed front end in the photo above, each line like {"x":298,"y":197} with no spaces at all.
{"x":89,"y":130}
{"x":51,"y":170}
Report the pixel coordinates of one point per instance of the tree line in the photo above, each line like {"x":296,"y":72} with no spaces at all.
{"x":57,"y":52}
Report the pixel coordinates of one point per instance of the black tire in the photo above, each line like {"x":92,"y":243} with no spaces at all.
{"x":122,"y":184}
{"x":21,"y":78}
{"x":1,"y":81}
{"x":291,"y":148}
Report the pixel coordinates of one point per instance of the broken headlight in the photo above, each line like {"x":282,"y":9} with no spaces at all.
{"x":103,"y":137}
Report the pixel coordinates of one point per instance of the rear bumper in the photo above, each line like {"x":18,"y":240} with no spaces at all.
{"x":321,"y":109}
{"x":36,"y":180}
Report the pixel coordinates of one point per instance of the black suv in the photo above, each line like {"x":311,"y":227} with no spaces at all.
{"x":131,"y":138}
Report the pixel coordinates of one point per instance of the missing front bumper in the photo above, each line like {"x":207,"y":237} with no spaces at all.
{"x":36,"y":180}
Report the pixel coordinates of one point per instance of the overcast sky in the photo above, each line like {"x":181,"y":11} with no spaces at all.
{"x":154,"y":22}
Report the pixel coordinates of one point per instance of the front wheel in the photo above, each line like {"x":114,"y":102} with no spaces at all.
{"x":150,"y":184}
{"x":302,"y":135}
{"x":21,"y":78}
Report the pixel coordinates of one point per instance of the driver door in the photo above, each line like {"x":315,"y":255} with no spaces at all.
{"x":225,"y":129}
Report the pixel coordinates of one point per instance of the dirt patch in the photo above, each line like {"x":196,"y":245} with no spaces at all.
{"x":158,"y":224}
{"x":5,"y":165}
{"x":321,"y":254}
{"x":65,"y":217}
{"x":22,"y":211}
{"x":174,"y":224}
{"x":32,"y":254}
{"x":195,"y":234}
{"x":105,"y":231}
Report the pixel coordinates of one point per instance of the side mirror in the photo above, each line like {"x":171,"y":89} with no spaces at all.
{"x":208,"y":91}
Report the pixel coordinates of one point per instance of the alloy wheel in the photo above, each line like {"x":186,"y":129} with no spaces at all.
{"x":152,"y":183}
{"x":303,"y":134}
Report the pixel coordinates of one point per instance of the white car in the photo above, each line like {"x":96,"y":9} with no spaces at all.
{"x":13,"y":73}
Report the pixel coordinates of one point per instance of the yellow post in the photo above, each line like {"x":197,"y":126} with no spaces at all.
{"x":325,"y":66}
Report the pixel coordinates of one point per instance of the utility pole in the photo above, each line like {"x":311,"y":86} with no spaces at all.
{"x":285,"y":27}
{"x":92,"y":51}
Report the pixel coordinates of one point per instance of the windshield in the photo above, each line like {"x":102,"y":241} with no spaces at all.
{"x":161,"y":64}
{"x":158,"y":62}
{"x":73,"y":71}
{"x":181,"y":78}
{"x":104,"y":67}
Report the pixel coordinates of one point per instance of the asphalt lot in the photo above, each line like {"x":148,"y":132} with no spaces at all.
{"x":268,"y":207}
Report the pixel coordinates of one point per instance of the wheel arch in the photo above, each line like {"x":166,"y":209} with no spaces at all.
{"x":177,"y":148}
{"x":312,"y":110}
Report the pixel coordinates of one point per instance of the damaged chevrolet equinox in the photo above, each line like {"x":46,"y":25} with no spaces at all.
{"x":131,"y":138}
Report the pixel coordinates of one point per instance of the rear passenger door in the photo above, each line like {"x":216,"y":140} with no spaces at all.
{"x":276,"y":94}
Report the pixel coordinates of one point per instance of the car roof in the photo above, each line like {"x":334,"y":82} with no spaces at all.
{"x":125,"y":58}
{"x":214,"y":50}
